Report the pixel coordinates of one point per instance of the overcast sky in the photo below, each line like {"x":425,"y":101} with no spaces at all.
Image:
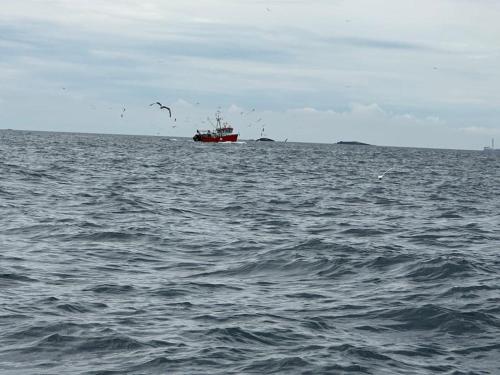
{"x":388,"y":72}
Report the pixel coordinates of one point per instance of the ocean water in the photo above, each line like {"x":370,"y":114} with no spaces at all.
{"x":147,"y":255}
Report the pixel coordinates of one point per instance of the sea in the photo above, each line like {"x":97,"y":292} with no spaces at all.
{"x":152,"y":255}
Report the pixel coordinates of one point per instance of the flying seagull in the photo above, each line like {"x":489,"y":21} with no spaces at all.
{"x":383,"y":174}
{"x":169,"y":111}
{"x":247,"y":113}
{"x":162,"y":107}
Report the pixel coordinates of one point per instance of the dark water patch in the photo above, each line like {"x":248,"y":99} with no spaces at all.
{"x":276,"y":365}
{"x":360,"y":352}
{"x":49,"y":300}
{"x":340,"y":267}
{"x":432,"y":317}
{"x":477,"y":349}
{"x":449,"y":215}
{"x":79,"y":345}
{"x":443,"y":268}
{"x":14,"y":278}
{"x":362,"y":232}
{"x":238,"y":335}
{"x":468,"y":290}
{"x":344,"y":369}
{"x":305,"y":296}
{"x":212,"y":318}
{"x":385,"y":261}
{"x":104,"y":237}
{"x":171,"y":292}
{"x":37,"y":330}
{"x":441,"y":369}
{"x":426,"y":351}
{"x":52,"y":341}
{"x":113,"y":343}
{"x":8,"y":317}
{"x":80,"y":308}
{"x":386,"y":201}
{"x":110,"y":289}
{"x":314,"y":245}
{"x":89,"y":224}
{"x":27,"y":229}
{"x":213,"y":286}
{"x":374,"y":328}
{"x":317,"y":324}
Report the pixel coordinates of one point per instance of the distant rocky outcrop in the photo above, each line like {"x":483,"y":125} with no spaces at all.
{"x":352,"y":143}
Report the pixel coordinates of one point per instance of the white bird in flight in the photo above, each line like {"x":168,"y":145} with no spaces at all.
{"x":383,"y":174}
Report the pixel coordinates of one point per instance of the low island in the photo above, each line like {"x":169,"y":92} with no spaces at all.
{"x":352,"y":143}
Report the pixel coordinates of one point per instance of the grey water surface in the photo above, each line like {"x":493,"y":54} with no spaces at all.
{"x":147,"y":255}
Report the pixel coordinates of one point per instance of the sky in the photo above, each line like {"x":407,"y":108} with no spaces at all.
{"x":412,"y":73}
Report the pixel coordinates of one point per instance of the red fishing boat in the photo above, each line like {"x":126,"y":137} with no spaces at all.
{"x":223,"y":133}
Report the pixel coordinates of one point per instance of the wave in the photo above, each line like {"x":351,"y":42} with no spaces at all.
{"x":238,"y":335}
{"x":276,"y":365}
{"x":441,"y":268}
{"x":360,"y":352}
{"x":385,"y":261}
{"x":80,"y":308}
{"x":468,"y":290}
{"x":436,"y":318}
{"x":6,"y":278}
{"x":110,"y":289}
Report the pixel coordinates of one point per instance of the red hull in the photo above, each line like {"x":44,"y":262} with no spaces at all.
{"x":216,"y":139}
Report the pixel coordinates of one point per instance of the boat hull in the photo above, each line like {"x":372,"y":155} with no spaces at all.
{"x":213,"y":138}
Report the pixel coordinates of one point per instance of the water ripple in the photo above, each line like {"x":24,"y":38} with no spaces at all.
{"x":140,"y":255}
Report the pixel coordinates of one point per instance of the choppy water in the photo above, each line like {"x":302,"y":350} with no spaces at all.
{"x":143,"y":255}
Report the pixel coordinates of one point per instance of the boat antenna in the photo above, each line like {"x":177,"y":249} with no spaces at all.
{"x":218,"y":117}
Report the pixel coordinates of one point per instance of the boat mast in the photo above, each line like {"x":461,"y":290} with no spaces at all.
{"x":219,"y":119}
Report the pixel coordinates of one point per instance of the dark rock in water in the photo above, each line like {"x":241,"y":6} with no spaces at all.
{"x":265,"y":140}
{"x":352,"y":143}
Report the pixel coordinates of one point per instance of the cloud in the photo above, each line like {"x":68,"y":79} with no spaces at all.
{"x":307,"y":110}
{"x":233,"y":108}
{"x":481,"y":130}
{"x":378,"y":43}
{"x":370,"y":109}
